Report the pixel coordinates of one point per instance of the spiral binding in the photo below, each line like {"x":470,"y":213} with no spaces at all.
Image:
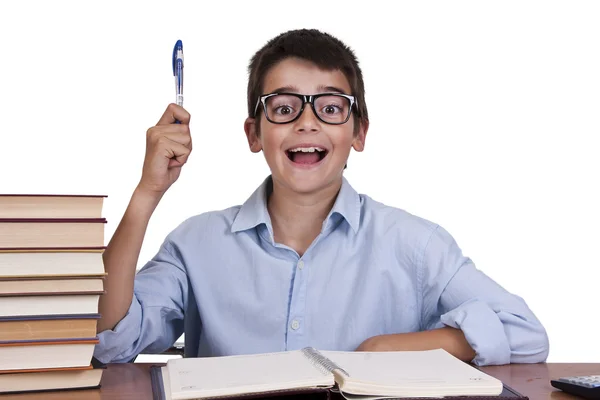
{"x":323,"y":363}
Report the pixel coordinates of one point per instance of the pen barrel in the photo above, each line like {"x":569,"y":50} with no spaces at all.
{"x":178,"y":91}
{"x":178,"y":72}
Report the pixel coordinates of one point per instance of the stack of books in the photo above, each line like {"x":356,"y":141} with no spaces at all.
{"x":51,"y":280}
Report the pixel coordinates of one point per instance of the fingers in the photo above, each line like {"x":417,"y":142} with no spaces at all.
{"x":175,"y":132}
{"x":166,"y":149}
{"x":174,"y":113}
{"x":176,"y":152}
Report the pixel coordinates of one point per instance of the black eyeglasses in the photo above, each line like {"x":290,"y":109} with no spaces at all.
{"x":283,"y":108}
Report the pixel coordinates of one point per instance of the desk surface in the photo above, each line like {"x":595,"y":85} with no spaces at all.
{"x":132,"y":381}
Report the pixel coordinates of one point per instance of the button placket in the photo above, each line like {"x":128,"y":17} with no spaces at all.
{"x":295,"y":338}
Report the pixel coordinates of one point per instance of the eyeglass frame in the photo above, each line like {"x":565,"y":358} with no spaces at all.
{"x":306,"y":98}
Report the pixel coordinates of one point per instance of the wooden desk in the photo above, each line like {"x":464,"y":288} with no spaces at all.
{"x":132,"y":382}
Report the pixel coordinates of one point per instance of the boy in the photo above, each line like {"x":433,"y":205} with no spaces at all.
{"x":305,"y":261}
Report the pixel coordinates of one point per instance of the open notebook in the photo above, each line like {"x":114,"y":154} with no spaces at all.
{"x":356,"y":375}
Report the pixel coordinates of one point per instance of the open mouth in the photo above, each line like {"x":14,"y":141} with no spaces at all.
{"x":306,"y":155}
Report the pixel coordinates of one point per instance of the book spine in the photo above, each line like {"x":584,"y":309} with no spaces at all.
{"x":323,"y":363}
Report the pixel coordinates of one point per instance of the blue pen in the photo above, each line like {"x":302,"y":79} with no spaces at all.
{"x":178,"y":71}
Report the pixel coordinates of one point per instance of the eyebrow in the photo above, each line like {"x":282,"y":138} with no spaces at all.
{"x":321,"y":88}
{"x":330,"y":89}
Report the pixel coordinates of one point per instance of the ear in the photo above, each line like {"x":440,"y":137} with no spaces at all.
{"x":251,"y":135}
{"x":361,"y":136}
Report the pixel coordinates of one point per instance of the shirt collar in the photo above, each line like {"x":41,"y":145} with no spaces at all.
{"x":254,"y":210}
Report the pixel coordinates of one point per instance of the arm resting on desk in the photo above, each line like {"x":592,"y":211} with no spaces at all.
{"x":498,"y":325}
{"x":450,"y":339}
{"x":154,"y":320}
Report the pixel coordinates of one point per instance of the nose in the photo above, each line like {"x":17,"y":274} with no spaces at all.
{"x":308,"y":121}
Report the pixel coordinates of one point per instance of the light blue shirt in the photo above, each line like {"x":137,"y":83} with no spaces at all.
{"x":221,"y":279}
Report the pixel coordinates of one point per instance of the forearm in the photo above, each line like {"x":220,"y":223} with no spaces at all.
{"x":121,"y":257}
{"x":450,"y":339}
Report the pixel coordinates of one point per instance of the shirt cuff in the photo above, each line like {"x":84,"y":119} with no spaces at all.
{"x":116,"y":343}
{"x":483,"y":330}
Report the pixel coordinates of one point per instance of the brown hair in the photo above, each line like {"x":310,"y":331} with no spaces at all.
{"x":320,"y":48}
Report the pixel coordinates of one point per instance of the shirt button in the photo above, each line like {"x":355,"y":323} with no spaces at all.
{"x":295,"y":324}
{"x":300,"y":264}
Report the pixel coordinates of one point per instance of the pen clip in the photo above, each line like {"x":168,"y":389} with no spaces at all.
{"x":178,"y":46}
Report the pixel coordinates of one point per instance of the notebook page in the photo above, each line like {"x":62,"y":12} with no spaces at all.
{"x":219,"y":376}
{"x":434,"y":371}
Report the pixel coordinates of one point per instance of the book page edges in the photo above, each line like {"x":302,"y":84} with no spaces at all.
{"x":26,"y":371}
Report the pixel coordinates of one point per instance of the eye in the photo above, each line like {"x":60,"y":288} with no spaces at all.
{"x":284,"y":110}
{"x":331,"y":106}
{"x":331,"y":109}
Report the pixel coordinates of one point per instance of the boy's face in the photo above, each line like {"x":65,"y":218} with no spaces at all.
{"x":304,"y":171}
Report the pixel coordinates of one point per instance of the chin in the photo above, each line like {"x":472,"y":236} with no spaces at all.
{"x":308,"y":183}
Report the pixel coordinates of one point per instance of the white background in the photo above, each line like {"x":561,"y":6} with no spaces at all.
{"x":485,"y":118}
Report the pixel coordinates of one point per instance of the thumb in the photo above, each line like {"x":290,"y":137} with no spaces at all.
{"x":174,"y":113}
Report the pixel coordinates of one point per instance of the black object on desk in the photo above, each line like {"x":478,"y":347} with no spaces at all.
{"x":587,"y":386}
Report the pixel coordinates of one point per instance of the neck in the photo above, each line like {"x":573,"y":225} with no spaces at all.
{"x":298,"y":219}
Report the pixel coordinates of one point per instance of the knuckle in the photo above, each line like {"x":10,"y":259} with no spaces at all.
{"x":161,"y":140}
{"x":154,"y":134}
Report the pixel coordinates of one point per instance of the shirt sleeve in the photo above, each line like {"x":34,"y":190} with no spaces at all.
{"x":498,"y":325}
{"x":155,"y":317}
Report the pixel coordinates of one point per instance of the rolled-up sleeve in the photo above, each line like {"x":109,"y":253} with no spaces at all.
{"x":154,"y":320}
{"x":497,"y":324}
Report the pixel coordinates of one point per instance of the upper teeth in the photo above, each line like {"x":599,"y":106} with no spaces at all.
{"x":306,"y":149}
